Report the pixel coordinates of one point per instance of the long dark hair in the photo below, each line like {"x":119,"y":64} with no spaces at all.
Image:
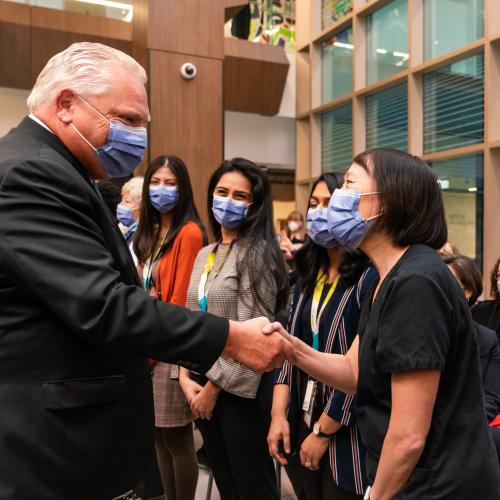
{"x":312,"y":258}
{"x":184,"y":211}
{"x":493,"y":281}
{"x":256,"y":234}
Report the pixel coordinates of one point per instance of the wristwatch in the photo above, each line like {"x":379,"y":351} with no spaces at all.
{"x":317,"y":431}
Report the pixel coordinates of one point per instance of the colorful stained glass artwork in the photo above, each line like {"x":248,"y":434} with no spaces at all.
{"x":333,"y":10}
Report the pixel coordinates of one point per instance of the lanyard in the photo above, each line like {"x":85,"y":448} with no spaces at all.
{"x":209,"y":265}
{"x":315,"y":315}
{"x":148,"y":265}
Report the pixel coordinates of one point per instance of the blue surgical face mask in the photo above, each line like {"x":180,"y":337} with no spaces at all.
{"x":124,"y":215}
{"x":345,"y":223}
{"x":229,"y":213}
{"x":498,"y":286}
{"x":317,"y":228}
{"x":164,"y":198}
{"x":124,"y":149}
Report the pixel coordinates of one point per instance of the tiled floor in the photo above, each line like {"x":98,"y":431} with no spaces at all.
{"x":201,"y":491}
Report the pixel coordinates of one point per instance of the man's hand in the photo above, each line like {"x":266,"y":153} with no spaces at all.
{"x":312,"y":450}
{"x":203,"y":404}
{"x":279,"y":431}
{"x":247,"y":344}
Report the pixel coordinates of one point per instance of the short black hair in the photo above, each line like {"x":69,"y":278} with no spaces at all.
{"x":410,"y":196}
{"x":467,"y":273}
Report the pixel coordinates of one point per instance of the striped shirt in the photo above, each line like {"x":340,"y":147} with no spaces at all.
{"x":338,"y":329}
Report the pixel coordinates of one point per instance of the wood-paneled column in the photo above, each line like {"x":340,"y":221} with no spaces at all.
{"x":186,"y":115}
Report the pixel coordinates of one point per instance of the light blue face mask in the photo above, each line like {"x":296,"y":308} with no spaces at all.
{"x":229,"y":213}
{"x":124,"y":149}
{"x":164,"y":198}
{"x":498,"y":286}
{"x":345,"y":223}
{"x":317,"y":227}
{"x":124,"y":215}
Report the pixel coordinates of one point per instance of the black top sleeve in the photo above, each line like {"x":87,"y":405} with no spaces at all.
{"x":414,"y":326}
{"x":53,"y":249}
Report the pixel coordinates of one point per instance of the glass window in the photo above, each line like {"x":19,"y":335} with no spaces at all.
{"x":450,"y":24}
{"x":387,"y":118}
{"x":462,"y":184}
{"x":387,"y":41}
{"x":336,"y":139}
{"x":336,"y":66}
{"x":454,"y":105}
{"x":333,"y":10}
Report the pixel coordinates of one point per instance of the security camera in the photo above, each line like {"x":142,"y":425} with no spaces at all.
{"x":188,"y":71}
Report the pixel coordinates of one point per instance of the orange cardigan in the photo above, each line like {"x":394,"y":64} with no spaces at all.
{"x":173,"y":272}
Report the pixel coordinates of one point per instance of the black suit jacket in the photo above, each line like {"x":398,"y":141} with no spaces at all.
{"x":489,"y":354}
{"x":76,"y":414}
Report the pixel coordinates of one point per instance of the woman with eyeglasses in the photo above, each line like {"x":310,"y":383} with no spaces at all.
{"x":414,"y":366}
{"x":241,"y":276}
{"x":168,"y":238}
{"x":311,"y":419}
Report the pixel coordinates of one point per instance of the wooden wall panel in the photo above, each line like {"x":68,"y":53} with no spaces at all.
{"x":254,"y":77}
{"x":84,"y":24}
{"x":187,"y":27}
{"x":187,"y":116}
{"x":45,"y":43}
{"x":15,"y":13}
{"x":15,"y":47}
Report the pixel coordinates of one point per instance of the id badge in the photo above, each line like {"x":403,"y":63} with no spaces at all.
{"x":174,"y":373}
{"x":308,"y":404}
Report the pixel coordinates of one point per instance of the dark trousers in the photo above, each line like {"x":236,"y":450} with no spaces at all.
{"x":177,"y":461}
{"x":235,"y":442}
{"x":320,"y":485}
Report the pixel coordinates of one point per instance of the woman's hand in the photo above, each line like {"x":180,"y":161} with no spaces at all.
{"x":291,"y":341}
{"x":203,"y":404}
{"x":190,"y":388}
{"x":279,"y":431}
{"x":312,"y":450}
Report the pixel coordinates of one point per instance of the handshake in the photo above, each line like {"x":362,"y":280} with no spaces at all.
{"x":259,"y":344}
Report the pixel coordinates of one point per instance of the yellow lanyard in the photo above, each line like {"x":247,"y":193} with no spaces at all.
{"x":209,"y":265}
{"x":315,"y":315}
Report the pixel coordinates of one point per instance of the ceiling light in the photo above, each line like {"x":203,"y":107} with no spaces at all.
{"x":381,"y":51}
{"x":343,"y":45}
{"x":404,"y":55}
{"x":472,"y":189}
{"x":445,"y":183}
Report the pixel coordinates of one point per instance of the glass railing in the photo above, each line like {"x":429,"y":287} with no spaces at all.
{"x":122,"y":9}
{"x":265,"y":21}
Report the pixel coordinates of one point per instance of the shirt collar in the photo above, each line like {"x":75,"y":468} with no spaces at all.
{"x":37,"y":120}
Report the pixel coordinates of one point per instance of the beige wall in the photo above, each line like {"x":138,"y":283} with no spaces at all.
{"x":12,"y":108}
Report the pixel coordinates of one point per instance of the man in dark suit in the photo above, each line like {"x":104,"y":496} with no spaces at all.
{"x":76,"y":416}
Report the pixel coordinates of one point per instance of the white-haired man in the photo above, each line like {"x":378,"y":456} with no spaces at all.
{"x":75,"y":326}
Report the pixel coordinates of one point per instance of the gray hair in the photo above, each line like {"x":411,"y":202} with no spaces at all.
{"x":134,"y":188}
{"x":87,"y":68}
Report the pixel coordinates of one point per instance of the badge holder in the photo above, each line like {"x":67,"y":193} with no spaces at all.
{"x":309,"y":400}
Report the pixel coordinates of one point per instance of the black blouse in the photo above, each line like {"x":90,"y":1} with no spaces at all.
{"x":420,"y":321}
